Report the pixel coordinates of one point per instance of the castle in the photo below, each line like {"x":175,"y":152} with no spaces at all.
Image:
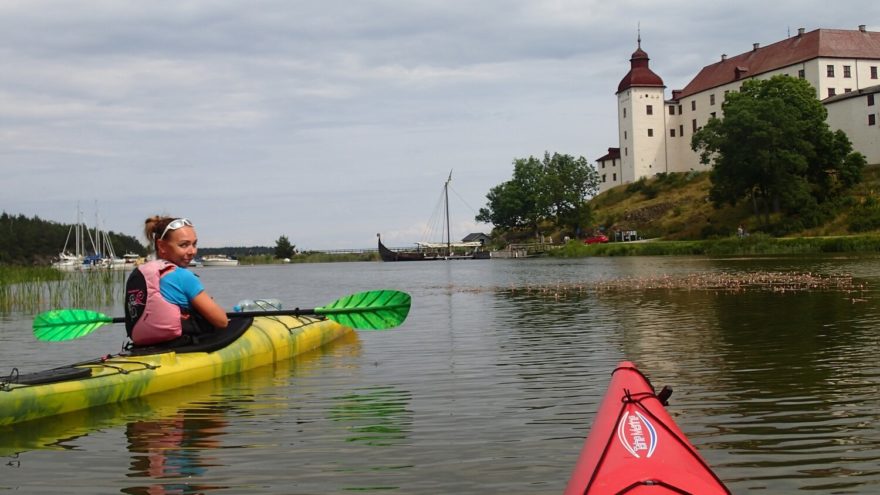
{"x":655,"y":133}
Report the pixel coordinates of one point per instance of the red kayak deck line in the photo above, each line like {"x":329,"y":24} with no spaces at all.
{"x":634,"y":446}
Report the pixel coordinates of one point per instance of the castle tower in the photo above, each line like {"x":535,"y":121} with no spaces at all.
{"x":641,"y":120}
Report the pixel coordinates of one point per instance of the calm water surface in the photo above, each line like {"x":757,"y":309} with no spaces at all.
{"x":489,"y":387}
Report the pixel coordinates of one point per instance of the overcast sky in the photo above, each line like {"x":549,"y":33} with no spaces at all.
{"x":330,"y":121}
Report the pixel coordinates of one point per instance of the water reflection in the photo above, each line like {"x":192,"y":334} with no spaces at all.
{"x":767,"y":383}
{"x":176,"y":449}
{"x":377,"y":417}
{"x":175,"y":438}
{"x":487,"y":389}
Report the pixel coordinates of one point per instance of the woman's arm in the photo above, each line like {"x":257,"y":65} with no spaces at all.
{"x":211,"y":311}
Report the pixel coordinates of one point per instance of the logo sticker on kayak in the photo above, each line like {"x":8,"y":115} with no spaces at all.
{"x":637,"y":434}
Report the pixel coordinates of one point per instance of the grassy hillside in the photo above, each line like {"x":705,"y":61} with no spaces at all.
{"x":676,"y":207}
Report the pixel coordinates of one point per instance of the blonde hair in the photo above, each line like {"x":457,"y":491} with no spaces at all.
{"x":153,"y":227}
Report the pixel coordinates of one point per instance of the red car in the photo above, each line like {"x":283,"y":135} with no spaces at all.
{"x":596,"y":239}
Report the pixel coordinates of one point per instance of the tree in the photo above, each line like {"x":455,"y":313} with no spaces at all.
{"x":556,"y":187}
{"x":569,"y":182}
{"x":283,"y":248}
{"x":519,"y":202}
{"x":774,"y":148}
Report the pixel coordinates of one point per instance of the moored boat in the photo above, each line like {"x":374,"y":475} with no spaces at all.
{"x":635,"y":447}
{"x":247,"y":343}
{"x":219,"y":260}
{"x":444,"y":250}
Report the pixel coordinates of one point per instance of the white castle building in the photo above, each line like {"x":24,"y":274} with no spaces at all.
{"x":655,"y":132}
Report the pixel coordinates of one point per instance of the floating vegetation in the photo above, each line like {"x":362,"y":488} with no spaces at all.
{"x":779,"y":282}
{"x":31,"y":290}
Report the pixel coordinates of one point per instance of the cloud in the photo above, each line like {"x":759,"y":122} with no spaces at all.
{"x":329,"y":121}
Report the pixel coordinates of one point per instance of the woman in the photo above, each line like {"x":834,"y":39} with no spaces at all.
{"x":163,"y":300}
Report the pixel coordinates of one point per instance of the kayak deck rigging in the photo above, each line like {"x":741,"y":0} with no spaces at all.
{"x":635,"y":447}
{"x":140,"y":371}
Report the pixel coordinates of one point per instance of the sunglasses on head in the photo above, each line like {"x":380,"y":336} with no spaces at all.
{"x":176,"y":224}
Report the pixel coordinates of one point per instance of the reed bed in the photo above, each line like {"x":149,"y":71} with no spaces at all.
{"x":779,"y":282}
{"x":32,"y":290}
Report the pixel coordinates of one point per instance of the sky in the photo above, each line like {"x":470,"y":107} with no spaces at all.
{"x":331,"y":121}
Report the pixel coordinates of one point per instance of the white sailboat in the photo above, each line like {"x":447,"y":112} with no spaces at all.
{"x":67,"y":260}
{"x":102,"y":252}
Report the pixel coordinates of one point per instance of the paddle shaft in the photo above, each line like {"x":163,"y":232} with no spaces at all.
{"x":248,"y":314}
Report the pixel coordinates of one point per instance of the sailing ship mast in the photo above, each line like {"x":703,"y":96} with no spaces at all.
{"x":446,"y":204}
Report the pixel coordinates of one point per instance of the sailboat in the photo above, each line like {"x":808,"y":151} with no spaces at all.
{"x":103,"y":255}
{"x":431,"y":251}
{"x":67,"y":260}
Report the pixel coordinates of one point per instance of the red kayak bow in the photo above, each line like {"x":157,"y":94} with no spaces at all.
{"x":634,"y":446}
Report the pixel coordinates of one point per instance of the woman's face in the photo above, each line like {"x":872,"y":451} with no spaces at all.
{"x":179,"y":246}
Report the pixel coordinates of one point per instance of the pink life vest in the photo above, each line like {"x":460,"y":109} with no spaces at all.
{"x":149,"y":317}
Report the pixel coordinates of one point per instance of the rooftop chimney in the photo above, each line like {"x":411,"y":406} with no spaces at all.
{"x":862,"y":28}
{"x":755,"y":46}
{"x":800,"y":32}
{"x":723,"y":57}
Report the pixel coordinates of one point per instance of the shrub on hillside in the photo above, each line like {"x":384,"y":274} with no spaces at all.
{"x":865,"y":217}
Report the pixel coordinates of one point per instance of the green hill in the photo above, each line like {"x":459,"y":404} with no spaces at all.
{"x":676,"y":206}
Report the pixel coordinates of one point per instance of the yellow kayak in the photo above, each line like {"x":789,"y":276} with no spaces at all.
{"x":247,"y":344}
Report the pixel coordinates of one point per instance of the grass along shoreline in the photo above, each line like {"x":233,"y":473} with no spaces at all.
{"x":34,"y":289}
{"x":758,"y":244}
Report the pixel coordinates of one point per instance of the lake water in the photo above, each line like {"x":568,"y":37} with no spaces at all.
{"x":491,"y":384}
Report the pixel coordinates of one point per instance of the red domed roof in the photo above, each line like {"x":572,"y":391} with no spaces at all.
{"x":639,"y":73}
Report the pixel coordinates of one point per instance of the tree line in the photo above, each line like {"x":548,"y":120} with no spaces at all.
{"x":34,"y":241}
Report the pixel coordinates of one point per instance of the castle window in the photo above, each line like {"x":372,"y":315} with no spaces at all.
{"x":712,"y":99}
{"x":829,"y":70}
{"x":694,"y":125}
{"x":693,"y":105}
{"x":871,"y":100}
{"x":603,"y":177}
{"x":625,"y":151}
{"x":671,"y":132}
{"x":846,"y":72}
{"x":679,"y":109}
{"x":614,"y":176}
{"x":624,"y":135}
{"x":831,"y":92}
{"x":872,"y":119}
{"x":847,"y":90}
{"x":650,"y":132}
{"x":624,"y":113}
{"x":681,"y":130}
{"x":712,"y":115}
{"x":802,"y":74}
{"x":650,"y":109}
{"x":873,"y":72}
{"x":671,"y":110}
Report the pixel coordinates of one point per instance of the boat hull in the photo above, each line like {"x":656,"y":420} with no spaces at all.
{"x":390,"y":255}
{"x":635,"y":447}
{"x":127,"y":376}
{"x":219,"y":262}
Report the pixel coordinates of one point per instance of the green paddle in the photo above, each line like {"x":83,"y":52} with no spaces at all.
{"x":370,"y":310}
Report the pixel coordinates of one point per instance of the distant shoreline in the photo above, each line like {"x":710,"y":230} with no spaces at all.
{"x":758,"y":244}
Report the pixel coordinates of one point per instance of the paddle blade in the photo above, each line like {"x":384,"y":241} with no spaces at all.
{"x":371,"y":310}
{"x":67,"y":324}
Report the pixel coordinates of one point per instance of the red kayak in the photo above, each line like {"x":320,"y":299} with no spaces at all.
{"x":634,"y":447}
